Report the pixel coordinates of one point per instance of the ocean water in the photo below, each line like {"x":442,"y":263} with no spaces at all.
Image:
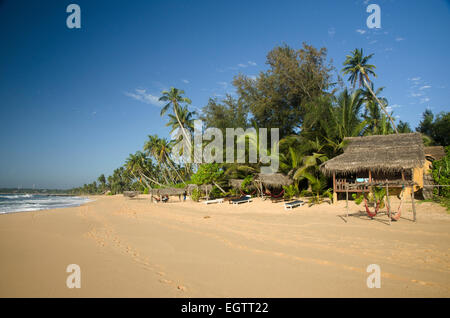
{"x":32,"y":202}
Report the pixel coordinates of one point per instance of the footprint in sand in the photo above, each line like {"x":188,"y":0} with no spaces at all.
{"x":182,"y":288}
{"x":165,"y":281}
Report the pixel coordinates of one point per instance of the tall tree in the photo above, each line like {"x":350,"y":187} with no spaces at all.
{"x":174,"y":97}
{"x":358,"y":69}
{"x":277,"y":97}
{"x":228,"y":113}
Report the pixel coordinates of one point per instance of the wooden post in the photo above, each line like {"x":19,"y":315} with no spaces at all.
{"x":346,"y":197}
{"x":334,"y":188}
{"x":413,"y":204}
{"x":370,"y":176}
{"x":388,"y":202}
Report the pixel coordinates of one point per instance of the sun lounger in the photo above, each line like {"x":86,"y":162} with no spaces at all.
{"x":293,"y":204}
{"x":213,"y":201}
{"x":243,"y":199}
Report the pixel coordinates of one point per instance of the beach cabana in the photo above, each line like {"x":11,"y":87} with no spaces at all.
{"x":272,"y":181}
{"x":166,"y":192}
{"x":396,"y":158}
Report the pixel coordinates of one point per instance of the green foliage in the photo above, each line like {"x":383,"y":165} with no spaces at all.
{"x":207,"y":173}
{"x":436,"y":128}
{"x":276,"y":98}
{"x":290,"y":191}
{"x":246,"y":183}
{"x":358,"y":198}
{"x":146,"y":191}
{"x":196,"y":195}
{"x":377,"y":195}
{"x":215,"y":193}
{"x":441,"y":174}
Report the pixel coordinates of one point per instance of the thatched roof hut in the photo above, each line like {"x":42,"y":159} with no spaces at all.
{"x":236,"y":183}
{"x":434,"y":152}
{"x":385,"y":154}
{"x":167,"y":191}
{"x":273,"y":179}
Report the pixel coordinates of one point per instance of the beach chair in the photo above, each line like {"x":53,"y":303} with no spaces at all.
{"x":213,"y":201}
{"x":293,"y":204}
{"x":243,"y":199}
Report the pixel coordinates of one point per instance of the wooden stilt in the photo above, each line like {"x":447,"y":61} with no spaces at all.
{"x":388,"y":202}
{"x":346,"y":198}
{"x":413,"y":203}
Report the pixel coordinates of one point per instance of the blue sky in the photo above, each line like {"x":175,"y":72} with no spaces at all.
{"x":75,"y":102}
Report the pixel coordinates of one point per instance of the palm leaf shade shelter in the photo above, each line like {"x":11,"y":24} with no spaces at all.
{"x":394,"y":158}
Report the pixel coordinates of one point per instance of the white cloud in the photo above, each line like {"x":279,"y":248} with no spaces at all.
{"x":416,"y":94}
{"x":331,"y":31}
{"x":142,"y":96}
{"x":373,"y":42}
{"x":251,"y":63}
{"x":360,"y":31}
{"x":415,"y":79}
{"x":223,"y":84}
{"x":424,"y":100}
{"x":185,"y":81}
{"x":398,"y":39}
{"x":425,"y":87}
{"x":242,"y":65}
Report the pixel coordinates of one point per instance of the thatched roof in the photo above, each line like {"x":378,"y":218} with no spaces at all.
{"x":273,"y":179}
{"x":378,"y":154}
{"x":167,"y":191}
{"x":236,"y":183}
{"x":435,"y":152}
{"x":206,"y":187}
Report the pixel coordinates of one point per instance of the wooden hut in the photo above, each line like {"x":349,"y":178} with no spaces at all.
{"x":396,"y":157}
{"x":271,"y":180}
{"x":236,"y":183}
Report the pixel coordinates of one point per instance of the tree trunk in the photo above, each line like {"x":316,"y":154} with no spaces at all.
{"x":381,"y":105}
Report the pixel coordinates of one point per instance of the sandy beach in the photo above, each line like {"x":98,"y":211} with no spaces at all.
{"x":134,"y":248}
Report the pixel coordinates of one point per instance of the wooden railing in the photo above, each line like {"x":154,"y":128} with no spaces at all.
{"x":342,"y":184}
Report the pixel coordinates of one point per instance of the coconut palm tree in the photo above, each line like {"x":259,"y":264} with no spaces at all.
{"x":344,"y":121}
{"x":174,"y":97}
{"x":160,"y":149}
{"x":185,"y":117}
{"x":309,"y":170}
{"x":358,"y":69}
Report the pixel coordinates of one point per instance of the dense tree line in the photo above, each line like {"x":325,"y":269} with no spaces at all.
{"x":303,"y":95}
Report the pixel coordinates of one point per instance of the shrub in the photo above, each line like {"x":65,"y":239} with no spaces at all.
{"x":146,"y":191}
{"x":196,"y":195}
{"x":290,"y":191}
{"x":441,"y":174}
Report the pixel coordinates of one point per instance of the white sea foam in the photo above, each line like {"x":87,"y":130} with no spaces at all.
{"x":26,"y":202}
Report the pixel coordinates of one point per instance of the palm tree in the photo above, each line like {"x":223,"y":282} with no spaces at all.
{"x":102,"y":181}
{"x":359,"y":70}
{"x":174,"y":97}
{"x":345,"y":117}
{"x":160,"y":149}
{"x":309,"y":170}
{"x":185,"y":117}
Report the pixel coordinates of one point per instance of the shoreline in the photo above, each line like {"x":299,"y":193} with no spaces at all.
{"x":134,"y":248}
{"x":87,"y":199}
